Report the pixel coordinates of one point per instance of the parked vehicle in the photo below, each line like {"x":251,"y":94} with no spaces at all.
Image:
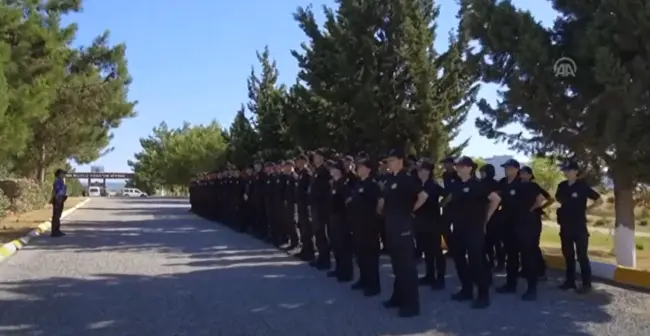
{"x":94,"y":192}
{"x":133,"y":192}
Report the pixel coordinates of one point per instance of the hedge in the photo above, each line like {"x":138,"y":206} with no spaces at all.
{"x":22,"y":195}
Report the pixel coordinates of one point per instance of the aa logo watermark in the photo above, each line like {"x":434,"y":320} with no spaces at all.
{"x":565,"y":67}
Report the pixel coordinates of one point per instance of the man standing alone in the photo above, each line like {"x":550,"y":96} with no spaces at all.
{"x":59,"y":196}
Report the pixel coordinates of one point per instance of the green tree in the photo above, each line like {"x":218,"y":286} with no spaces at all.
{"x":598,"y":116}
{"x":243,"y":141}
{"x":170,"y":157}
{"x":266,"y":104}
{"x":547,"y":174}
{"x":379,"y":81}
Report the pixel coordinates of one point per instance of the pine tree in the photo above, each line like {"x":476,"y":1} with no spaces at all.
{"x":597,"y":115}
{"x":266,"y":104}
{"x":243,"y":141}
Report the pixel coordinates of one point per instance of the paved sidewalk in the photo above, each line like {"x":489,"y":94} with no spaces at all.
{"x":148,"y":268}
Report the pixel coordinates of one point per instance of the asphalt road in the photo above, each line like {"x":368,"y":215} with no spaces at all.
{"x":146,"y":267}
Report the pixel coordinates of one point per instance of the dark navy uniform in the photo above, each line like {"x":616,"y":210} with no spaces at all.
{"x":571,"y":216}
{"x":429,"y":229}
{"x":508,"y":217}
{"x":290,"y":181}
{"x":340,"y":232}
{"x":400,"y":195}
{"x":319,"y":194}
{"x":468,"y":239}
{"x":307,"y":252}
{"x":366,"y":228}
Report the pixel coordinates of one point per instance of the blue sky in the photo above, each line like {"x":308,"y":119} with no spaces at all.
{"x":190,"y":63}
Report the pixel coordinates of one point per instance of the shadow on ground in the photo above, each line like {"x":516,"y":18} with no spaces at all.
{"x":204,"y":279}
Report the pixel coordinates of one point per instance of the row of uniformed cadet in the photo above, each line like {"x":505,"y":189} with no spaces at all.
{"x":342,"y":209}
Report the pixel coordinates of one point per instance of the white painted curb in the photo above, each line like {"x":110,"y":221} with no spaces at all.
{"x":9,"y":249}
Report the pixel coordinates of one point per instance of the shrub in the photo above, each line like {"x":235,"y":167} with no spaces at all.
{"x":5,"y":204}
{"x":643,"y":222}
{"x":25,"y":194}
{"x":600,"y":222}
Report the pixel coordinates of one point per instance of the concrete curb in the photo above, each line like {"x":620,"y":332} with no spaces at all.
{"x":9,"y":249}
{"x":617,"y":274}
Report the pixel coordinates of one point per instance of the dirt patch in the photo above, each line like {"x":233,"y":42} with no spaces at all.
{"x":15,"y":226}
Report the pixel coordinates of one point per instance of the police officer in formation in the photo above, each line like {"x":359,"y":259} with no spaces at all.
{"x":337,"y":212}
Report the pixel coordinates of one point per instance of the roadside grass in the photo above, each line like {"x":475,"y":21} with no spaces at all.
{"x":15,"y":226}
{"x":600,"y":247}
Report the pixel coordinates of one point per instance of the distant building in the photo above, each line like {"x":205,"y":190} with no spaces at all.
{"x":497,"y":161}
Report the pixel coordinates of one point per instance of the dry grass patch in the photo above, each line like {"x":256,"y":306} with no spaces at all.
{"x":15,"y":226}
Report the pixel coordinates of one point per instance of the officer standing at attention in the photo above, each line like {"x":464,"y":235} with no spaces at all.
{"x":526,"y":175}
{"x":468,"y":237}
{"x":429,"y":229}
{"x":307,"y":251}
{"x":319,"y":194}
{"x":508,"y":216}
{"x":257,"y":201}
{"x":290,"y":204}
{"x":402,"y":196}
{"x":339,"y":228}
{"x":362,"y":215}
{"x":449,"y":180}
{"x":494,"y":251}
{"x":529,"y":199}
{"x":572,"y":194}
{"x":269,"y":199}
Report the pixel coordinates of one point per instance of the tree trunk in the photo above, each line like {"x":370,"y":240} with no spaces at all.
{"x":624,"y":239}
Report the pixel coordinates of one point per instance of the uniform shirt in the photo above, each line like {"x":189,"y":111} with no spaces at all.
{"x":509,"y":197}
{"x":59,"y":188}
{"x":320,"y":187}
{"x":340,"y":194}
{"x":302,"y":186}
{"x":573,"y":199}
{"x":400,"y":194}
{"x":472,"y":197}
{"x":290,"y":188}
{"x":364,"y":198}
{"x":431,"y":206}
{"x":449,"y":180}
{"x":527,"y":193}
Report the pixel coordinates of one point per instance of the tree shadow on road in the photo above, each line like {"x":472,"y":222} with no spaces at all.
{"x":219,"y":282}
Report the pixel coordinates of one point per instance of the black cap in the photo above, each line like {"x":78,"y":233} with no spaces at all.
{"x":348,"y":158}
{"x":448,"y":159}
{"x":426,"y":165}
{"x":363,"y":159}
{"x":59,"y":172}
{"x":464,"y":161}
{"x":289,"y":163}
{"x":269,"y":164}
{"x":571,"y":165}
{"x":258,"y":162}
{"x":511,"y":163}
{"x":302,"y":157}
{"x":528,"y":171}
{"x":335,"y":164}
{"x":411,"y":157}
{"x":396,"y":152}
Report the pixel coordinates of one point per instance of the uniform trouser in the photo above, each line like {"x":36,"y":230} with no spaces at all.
{"x":539,"y":256}
{"x":512,"y":247}
{"x":400,"y":249}
{"x":446,"y":226}
{"x":527,"y":235}
{"x":320,"y":219}
{"x":494,"y":248}
{"x":270,"y":218}
{"x":306,"y":230}
{"x":576,"y":244}
{"x":290,"y":229}
{"x":428,"y":236}
{"x":260,"y":219}
{"x":341,"y":242}
{"x":367,"y":250}
{"x":244,"y":216}
{"x":57,"y":210}
{"x":468,"y":253}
